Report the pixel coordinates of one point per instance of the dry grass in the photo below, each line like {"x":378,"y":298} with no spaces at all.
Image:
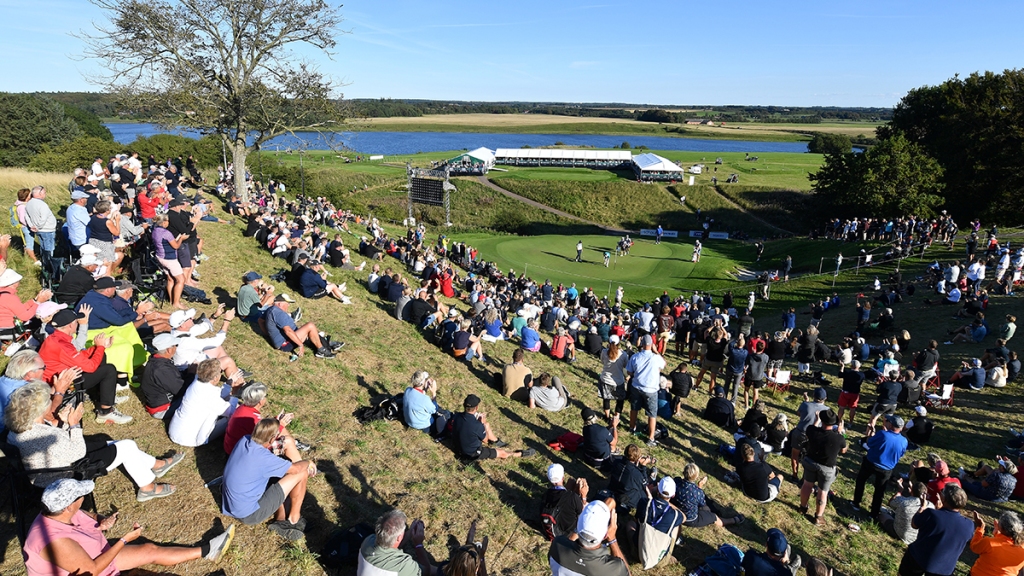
{"x":367,"y":469}
{"x":851,"y":129}
{"x":502,"y":120}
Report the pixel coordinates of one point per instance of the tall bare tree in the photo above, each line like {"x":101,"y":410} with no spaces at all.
{"x":227,"y":66}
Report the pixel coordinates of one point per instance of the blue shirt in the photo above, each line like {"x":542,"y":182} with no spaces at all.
{"x":246,"y":474}
{"x":978,"y":333}
{"x":689,"y":498}
{"x":104,"y":313}
{"x":78,"y":222}
{"x":276,"y":320}
{"x":974,"y":377}
{"x":418,"y":408}
{"x":659,"y":515}
{"x":310,"y":283}
{"x":530,"y":337}
{"x":886,"y":448}
{"x":941,"y":537}
{"x":789,"y":320}
{"x":737,"y":359}
{"x":572,"y":293}
{"x":7,"y":387}
{"x":645,"y":366}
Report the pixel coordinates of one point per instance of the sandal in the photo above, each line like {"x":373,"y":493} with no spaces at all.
{"x":819,"y":520}
{"x":802,"y":510}
{"x":169,"y":462}
{"x":739,"y":519}
{"x":158,"y":491}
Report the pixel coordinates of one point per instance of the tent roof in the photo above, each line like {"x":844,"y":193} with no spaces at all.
{"x":562,"y":154}
{"x":483,"y":154}
{"x":653,"y":163}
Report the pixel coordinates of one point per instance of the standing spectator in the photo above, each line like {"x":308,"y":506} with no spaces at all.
{"x":644,"y":369}
{"x":41,"y":221}
{"x":736,"y":366}
{"x":757,"y":365}
{"x":611,"y":383}
{"x":824,"y":445}
{"x":942,"y":535}
{"x":884,"y":451}
{"x":1003,"y":553}
{"x":849,"y":398}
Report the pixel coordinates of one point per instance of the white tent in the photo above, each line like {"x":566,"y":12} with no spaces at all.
{"x":653,"y":167}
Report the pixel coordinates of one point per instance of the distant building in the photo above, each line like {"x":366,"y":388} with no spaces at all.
{"x":650,"y":167}
{"x":475,"y":162}
{"x":565,"y":158}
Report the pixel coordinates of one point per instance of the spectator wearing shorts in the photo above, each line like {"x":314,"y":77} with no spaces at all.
{"x":644,"y":370}
{"x":885,"y":405}
{"x":167,"y":245}
{"x":471,"y":429}
{"x":849,"y":398}
{"x":824,"y":445}
{"x":285,"y":335}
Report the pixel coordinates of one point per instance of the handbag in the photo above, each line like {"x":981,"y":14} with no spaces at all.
{"x":654,"y":545}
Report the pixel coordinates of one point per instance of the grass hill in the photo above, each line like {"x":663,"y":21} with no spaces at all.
{"x":368,"y":469}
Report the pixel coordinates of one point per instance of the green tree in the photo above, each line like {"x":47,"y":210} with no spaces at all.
{"x":825,"y":143}
{"x":228,"y":67}
{"x":28,"y":123}
{"x":88,"y":122}
{"x":894,"y":178}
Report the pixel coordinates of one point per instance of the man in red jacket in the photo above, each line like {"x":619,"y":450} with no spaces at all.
{"x":60,"y":352}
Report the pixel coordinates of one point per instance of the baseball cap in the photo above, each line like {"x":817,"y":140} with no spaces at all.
{"x":592,"y":525}
{"x":820,"y":393}
{"x":719,"y":391}
{"x":555,"y":473}
{"x":942,"y":468}
{"x":284,"y":298}
{"x":587,"y":413}
{"x":667,"y":487}
{"x":976,"y":362}
{"x":921,"y":411}
{"x":895,"y":420}
{"x":613,"y":339}
{"x":79,"y":195}
{"x":49,"y":308}
{"x":777,"y":544}
{"x":164,"y":341}
{"x":178,"y":317}
{"x":104,"y":282}
{"x":88,"y":260}
{"x":471,"y":401}
{"x":65,"y":317}
{"x":62,"y":493}
{"x":646,"y":340}
{"x":452,"y":312}
{"x":250,"y":276}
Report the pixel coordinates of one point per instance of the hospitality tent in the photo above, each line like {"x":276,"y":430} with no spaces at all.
{"x":653,"y":167}
{"x":571,"y":158}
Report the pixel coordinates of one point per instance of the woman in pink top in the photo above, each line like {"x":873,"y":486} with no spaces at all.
{"x":64,"y":539}
{"x":12,"y":308}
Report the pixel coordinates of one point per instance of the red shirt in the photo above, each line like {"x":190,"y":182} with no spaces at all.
{"x":147,"y":205}
{"x":935,"y":486}
{"x":242,"y":423}
{"x":59,"y":354}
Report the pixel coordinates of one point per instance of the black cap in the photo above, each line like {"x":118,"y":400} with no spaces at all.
{"x":65,"y":317}
{"x":104,"y":282}
{"x":471,"y":401}
{"x":587,"y":414}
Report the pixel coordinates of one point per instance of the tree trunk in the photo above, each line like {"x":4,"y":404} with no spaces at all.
{"x":239,"y":152}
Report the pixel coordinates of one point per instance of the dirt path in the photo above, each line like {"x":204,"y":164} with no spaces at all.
{"x":748,"y":212}
{"x":487,"y":182}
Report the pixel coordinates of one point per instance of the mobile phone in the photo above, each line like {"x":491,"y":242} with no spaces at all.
{"x":72,"y":399}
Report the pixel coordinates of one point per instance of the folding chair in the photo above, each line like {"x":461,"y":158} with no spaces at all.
{"x":781,"y":381}
{"x":940,"y":402}
{"x":934,"y":381}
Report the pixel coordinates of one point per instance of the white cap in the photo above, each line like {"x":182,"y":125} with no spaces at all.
{"x":88,"y":249}
{"x":667,"y":487}
{"x":9,"y":277}
{"x":178,"y":317}
{"x":921,"y":411}
{"x":613,"y":339}
{"x":88,"y":260}
{"x":592,"y":525}
{"x":555,"y":473}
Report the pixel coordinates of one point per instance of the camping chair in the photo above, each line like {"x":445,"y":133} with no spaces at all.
{"x":148,"y":283}
{"x":781,"y":381}
{"x":934,"y":381}
{"x":940,"y":402}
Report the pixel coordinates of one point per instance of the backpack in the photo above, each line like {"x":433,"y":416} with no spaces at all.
{"x":660,"y":432}
{"x":342,"y":548}
{"x":570,"y":442}
{"x":547,"y":519}
{"x":382,"y":407}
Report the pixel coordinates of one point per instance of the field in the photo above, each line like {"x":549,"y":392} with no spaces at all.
{"x":547,"y":123}
{"x":368,"y":469}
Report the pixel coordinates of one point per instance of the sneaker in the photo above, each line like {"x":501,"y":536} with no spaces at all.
{"x":121,"y":399}
{"x":297,"y":315}
{"x":158,"y":491}
{"x":113,"y":417}
{"x":173,"y":461}
{"x":335,"y":346}
{"x":38,"y":264}
{"x":948,"y":342}
{"x":195,"y":275}
{"x":285,"y":532}
{"x":300,"y":525}
{"x":302,"y":446}
{"x":324,"y":352}
{"x":652,"y":443}
{"x":220,"y":543}
{"x":498,"y":444}
{"x":528,"y":452}
{"x":962,"y":471}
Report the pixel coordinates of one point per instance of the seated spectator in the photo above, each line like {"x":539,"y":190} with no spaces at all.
{"x":563,"y":501}
{"x":12,"y":309}
{"x":192,"y":349}
{"x":692,"y":501}
{"x":419,"y":403}
{"x":77,"y":281}
{"x":285,"y":335}
{"x":971,"y":375}
{"x":776,"y":560}
{"x":1002,"y":553}
{"x":898,"y":522}
{"x":720,"y":411}
{"x":470,"y":430}
{"x":656,"y":511}
{"x":587,"y":554}
{"x":147,"y":324}
{"x":563,"y":347}
{"x":629,"y":476}
{"x":65,"y":539}
{"x":252,"y":398}
{"x":467,"y":345}
{"x":996,"y":485}
{"x":598,"y":441}
{"x":61,"y":351}
{"x":530,"y":339}
{"x":424,"y":313}
{"x":128,"y":351}
{"x":205,"y":408}
{"x":592,"y":342}
{"x":996,"y":375}
{"x":517,"y":378}
{"x":757,"y":479}
{"x":973,"y":333}
{"x":313,"y":284}
{"x":250,"y":491}
{"x":919,"y":429}
{"x":387,"y":550}
{"x":939,"y":481}
{"x":44,"y":444}
{"x":373,"y":281}
{"x":23,"y":367}
{"x":549,"y":393}
{"x":402,"y":303}
{"x":254,"y":297}
{"x":162,"y":383}
{"x":494,"y":329}
{"x":942,"y":536}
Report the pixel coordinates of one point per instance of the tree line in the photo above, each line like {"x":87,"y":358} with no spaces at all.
{"x":956,"y":146}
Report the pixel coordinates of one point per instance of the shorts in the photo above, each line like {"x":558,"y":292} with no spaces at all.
{"x":819,"y":475}
{"x":30,"y":240}
{"x":648,"y":401}
{"x":883,"y":409}
{"x":776,"y":364}
{"x":173,"y":267}
{"x":711,"y":366}
{"x":287,"y":347}
{"x":485,"y":453}
{"x":703,"y":349}
{"x":848,"y":400}
{"x":319,"y":294}
{"x":755,"y":384}
{"x":185,"y":255}
{"x":704,"y":518}
{"x":271,"y":500}
{"x":797,"y":439}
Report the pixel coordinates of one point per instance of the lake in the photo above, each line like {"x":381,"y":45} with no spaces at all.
{"x":401,"y":143}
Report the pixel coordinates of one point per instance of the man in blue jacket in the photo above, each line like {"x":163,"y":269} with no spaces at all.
{"x":884,"y":451}
{"x":313,"y":283}
{"x":971,"y":375}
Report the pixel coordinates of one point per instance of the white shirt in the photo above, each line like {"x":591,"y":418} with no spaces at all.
{"x":195,"y":419}
{"x":190,"y":348}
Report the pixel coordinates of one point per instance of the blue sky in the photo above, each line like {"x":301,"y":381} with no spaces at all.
{"x":866,"y":53}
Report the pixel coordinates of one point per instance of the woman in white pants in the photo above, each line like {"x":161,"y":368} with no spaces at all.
{"x":46,"y":441}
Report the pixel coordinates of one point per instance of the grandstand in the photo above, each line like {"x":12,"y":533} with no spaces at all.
{"x":649,"y":167}
{"x":475,"y":162}
{"x":538,"y":157}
